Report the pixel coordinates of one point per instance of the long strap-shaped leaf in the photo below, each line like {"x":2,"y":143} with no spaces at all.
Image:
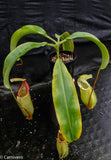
{"x":28,"y":29}
{"x":103,"y":49}
{"x":66,"y":102}
{"x":14,"y":55}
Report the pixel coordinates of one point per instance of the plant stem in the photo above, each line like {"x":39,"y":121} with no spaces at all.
{"x":50,"y":38}
{"x":62,"y":41}
{"x":52,"y":45}
{"x":57,"y":46}
{"x":57,"y":50}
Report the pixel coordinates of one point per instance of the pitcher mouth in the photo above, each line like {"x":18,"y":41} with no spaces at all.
{"x":60,"y":138}
{"x":23,"y":87}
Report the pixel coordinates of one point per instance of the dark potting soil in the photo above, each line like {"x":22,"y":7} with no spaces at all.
{"x":36,"y":139}
{"x":64,"y":57}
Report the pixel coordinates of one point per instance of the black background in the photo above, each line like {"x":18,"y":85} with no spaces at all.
{"x":56,"y":16}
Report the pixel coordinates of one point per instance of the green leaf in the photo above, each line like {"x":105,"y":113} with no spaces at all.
{"x":69,"y":44}
{"x":57,"y":36}
{"x":14,"y":55}
{"x":66,"y":102}
{"x":28,"y":29}
{"x":103,"y":49}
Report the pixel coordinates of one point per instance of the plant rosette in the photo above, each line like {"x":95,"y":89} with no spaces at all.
{"x":64,"y":94}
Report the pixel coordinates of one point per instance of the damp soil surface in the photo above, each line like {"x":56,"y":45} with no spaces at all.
{"x":36,"y":139}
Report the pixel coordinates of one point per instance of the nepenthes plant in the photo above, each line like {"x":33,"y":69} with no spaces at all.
{"x":65,"y":97}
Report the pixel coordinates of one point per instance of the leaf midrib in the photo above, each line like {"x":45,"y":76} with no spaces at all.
{"x":65,"y":98}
